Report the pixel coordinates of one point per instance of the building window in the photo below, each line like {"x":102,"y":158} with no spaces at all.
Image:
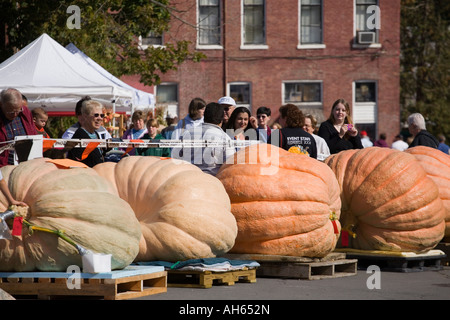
{"x":152,"y":39}
{"x":209,"y":31}
{"x":365,"y":106}
{"x":365,"y":92}
{"x":366,"y":33}
{"x":167,"y":96}
{"x":167,"y":93}
{"x":303,"y":93}
{"x":254,"y":32}
{"x":241,"y":93}
{"x":310,"y":22}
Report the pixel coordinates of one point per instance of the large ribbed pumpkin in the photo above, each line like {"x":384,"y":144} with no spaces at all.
{"x":388,"y":200}
{"x":437,"y":166}
{"x":282,"y":202}
{"x":77,"y":201}
{"x":184,"y":213}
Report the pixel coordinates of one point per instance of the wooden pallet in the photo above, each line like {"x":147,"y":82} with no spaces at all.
{"x":206,"y":279}
{"x":334,"y":265}
{"x":444,"y":247}
{"x":131,"y":282}
{"x":397,"y":261}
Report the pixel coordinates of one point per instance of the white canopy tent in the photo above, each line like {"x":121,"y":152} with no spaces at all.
{"x":48,"y":74}
{"x":141,"y":99}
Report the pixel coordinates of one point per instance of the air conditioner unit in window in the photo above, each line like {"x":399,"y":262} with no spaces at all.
{"x":366,"y":37}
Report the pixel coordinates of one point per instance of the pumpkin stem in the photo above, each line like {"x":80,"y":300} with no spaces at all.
{"x":59,"y":233}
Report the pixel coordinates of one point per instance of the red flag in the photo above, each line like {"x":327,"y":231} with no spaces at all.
{"x":47,"y":144}
{"x":344,"y":238}
{"x":131,"y":147}
{"x":89,"y":148}
{"x":17,"y":226}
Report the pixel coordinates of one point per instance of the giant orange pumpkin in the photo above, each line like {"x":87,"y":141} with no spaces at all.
{"x":282,"y":202}
{"x":184,"y":213}
{"x":76,"y":201}
{"x":388,"y":200}
{"x":437,"y":165}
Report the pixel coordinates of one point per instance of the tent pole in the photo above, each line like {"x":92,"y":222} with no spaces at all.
{"x":114,"y":119}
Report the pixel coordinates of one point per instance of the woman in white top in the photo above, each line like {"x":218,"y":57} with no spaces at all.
{"x":192,"y":120}
{"x":310,"y":126}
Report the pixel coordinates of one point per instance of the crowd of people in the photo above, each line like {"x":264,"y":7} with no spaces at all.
{"x":215,"y":121}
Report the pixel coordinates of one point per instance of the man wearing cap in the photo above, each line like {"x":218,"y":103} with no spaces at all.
{"x":365,"y":140}
{"x":229,"y":105}
{"x":171,"y":120}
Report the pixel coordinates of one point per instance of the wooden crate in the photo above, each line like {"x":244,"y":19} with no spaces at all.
{"x":397,"y":261}
{"x":334,"y":265}
{"x":131,"y":282}
{"x":206,"y":279}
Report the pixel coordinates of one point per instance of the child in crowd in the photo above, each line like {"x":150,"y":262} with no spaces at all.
{"x":152,"y":128}
{"x":40,"y":118}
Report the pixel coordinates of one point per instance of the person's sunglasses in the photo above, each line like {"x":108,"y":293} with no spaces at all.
{"x":96,"y":115}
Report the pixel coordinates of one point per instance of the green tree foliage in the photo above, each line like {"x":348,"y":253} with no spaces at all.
{"x":108,"y":33}
{"x":425,"y":60}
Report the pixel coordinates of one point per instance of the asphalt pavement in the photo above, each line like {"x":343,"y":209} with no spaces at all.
{"x":365,"y":285}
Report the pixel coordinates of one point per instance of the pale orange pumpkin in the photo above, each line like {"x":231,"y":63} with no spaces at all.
{"x":388,"y":200}
{"x":76,"y":201}
{"x":282,"y":202}
{"x":437,"y":165}
{"x":184,"y":213}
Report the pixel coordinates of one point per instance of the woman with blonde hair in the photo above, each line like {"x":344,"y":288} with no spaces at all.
{"x":339,"y":131}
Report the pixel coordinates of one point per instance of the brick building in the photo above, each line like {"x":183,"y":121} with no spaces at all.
{"x":306,"y":52}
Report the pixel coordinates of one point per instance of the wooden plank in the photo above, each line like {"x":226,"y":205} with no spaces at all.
{"x":116,"y":288}
{"x":308,"y":271}
{"x":333,"y":265}
{"x":206,"y":279}
{"x":398,"y":261}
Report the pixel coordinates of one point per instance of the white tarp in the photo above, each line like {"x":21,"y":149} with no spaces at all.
{"x":48,"y":74}
{"x":141,"y":99}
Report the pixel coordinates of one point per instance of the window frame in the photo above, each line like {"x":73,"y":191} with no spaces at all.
{"x":249,"y":105}
{"x":145,"y":46}
{"x":301,"y":45}
{"x":245,"y":46}
{"x":368,"y":106}
{"x":209,"y":46}
{"x":176,"y":92}
{"x":308,"y":104}
{"x":357,"y":45}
